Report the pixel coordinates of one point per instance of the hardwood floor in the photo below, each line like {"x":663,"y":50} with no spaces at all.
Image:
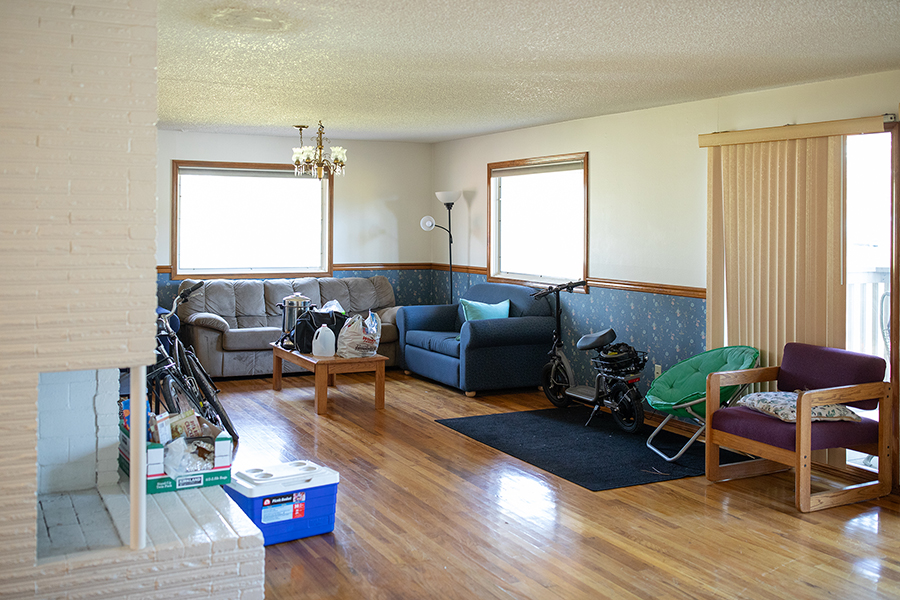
{"x":424,"y":512}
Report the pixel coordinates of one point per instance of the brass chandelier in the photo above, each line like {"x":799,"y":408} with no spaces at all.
{"x":310,"y":160}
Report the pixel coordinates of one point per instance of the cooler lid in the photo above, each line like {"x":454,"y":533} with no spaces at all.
{"x":282,"y":477}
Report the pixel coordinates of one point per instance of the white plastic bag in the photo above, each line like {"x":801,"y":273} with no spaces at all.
{"x":331,"y":306}
{"x":359,"y":337}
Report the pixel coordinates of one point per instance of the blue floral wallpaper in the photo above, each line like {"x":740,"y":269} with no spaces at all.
{"x":669,"y":328}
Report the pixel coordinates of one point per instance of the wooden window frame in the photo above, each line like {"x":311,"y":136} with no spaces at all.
{"x":328,"y":212}
{"x":492,"y":272}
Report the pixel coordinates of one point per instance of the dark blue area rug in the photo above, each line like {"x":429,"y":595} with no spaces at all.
{"x":598,"y":457}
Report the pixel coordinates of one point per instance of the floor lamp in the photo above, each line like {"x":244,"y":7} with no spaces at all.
{"x":427,"y":223}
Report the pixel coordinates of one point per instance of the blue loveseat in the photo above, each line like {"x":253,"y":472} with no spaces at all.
{"x":437,"y":342}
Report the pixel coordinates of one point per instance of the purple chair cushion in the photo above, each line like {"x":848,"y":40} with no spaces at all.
{"x":808,"y":367}
{"x":750,"y":424}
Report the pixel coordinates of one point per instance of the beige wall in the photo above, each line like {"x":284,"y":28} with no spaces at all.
{"x":647,"y":173}
{"x":647,"y":179}
{"x":376,"y":203}
{"x":77,"y":222}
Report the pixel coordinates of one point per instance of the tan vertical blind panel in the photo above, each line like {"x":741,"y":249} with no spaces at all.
{"x":780,"y":233}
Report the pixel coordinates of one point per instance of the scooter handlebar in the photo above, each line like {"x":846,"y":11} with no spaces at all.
{"x":568,"y":287}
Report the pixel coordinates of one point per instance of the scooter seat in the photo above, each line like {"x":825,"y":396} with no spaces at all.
{"x":596,"y":340}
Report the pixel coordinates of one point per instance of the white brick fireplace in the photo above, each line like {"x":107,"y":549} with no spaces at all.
{"x":77,"y":260}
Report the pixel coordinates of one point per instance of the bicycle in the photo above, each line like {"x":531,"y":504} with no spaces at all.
{"x":178,"y":381}
{"x":617,"y":370}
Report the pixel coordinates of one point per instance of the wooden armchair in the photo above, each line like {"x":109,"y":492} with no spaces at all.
{"x":821,"y":376}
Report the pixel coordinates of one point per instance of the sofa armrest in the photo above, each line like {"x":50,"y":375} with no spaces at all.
{"x":208,"y":320}
{"x":434,"y":317}
{"x":513,"y":331}
{"x":388,"y":315}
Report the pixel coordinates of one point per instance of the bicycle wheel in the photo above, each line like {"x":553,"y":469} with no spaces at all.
{"x":629,"y":409}
{"x":176,"y":396}
{"x":210,"y":395}
{"x":555,"y":382}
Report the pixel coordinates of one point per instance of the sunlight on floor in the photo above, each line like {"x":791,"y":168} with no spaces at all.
{"x":868,"y":568}
{"x":526,"y":497}
{"x":866,"y":523}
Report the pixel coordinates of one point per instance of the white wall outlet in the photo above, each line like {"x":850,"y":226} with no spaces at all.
{"x":657,"y":371}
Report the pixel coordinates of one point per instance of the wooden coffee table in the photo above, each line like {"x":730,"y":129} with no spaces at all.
{"x":324,"y":368}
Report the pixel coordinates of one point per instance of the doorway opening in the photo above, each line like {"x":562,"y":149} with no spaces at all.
{"x":868,"y":245}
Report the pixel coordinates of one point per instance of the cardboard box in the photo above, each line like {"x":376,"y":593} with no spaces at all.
{"x":287,"y":501}
{"x":157,"y":479}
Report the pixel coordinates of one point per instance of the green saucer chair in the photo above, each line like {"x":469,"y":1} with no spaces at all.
{"x":681,"y":390}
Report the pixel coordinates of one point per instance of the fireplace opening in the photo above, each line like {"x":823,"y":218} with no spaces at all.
{"x":78,"y":415}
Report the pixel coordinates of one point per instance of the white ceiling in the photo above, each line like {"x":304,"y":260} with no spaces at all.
{"x":433,"y":70}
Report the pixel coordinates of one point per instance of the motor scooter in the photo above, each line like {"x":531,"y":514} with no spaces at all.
{"x":617,"y":371}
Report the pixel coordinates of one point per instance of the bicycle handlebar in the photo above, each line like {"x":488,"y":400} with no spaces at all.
{"x":184,"y":295}
{"x":568,"y":287}
{"x":181,"y":299}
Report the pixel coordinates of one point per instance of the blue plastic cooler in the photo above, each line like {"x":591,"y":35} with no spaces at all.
{"x":287,"y":501}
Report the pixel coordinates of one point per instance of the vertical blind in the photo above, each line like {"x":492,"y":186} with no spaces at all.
{"x":775,"y":236}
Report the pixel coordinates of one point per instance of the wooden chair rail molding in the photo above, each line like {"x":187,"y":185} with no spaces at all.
{"x":629,"y":286}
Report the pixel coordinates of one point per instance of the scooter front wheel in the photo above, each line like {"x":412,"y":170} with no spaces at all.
{"x":629,"y":409}
{"x":555,"y":383}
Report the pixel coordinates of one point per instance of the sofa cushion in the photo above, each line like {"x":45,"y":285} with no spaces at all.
{"x":249,"y":303}
{"x":384,"y":291}
{"x":309,"y":287}
{"x":442,"y":342}
{"x":197,"y":302}
{"x":219,"y":296}
{"x":250,"y":338}
{"x":363,"y":296}
{"x":332,"y":288}
{"x":521,"y":302}
{"x":274,"y":292}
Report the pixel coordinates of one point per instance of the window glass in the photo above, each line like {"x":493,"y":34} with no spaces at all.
{"x":538,"y":212}
{"x":249,"y":220}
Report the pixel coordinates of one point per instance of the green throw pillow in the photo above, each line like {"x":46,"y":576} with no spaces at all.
{"x":475,"y":311}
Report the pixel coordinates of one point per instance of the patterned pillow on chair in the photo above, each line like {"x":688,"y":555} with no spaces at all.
{"x":783,"y":405}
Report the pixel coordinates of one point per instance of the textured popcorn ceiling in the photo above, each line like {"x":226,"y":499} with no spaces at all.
{"x":437,"y":70}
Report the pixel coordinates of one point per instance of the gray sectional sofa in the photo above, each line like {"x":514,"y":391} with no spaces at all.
{"x":230,"y":322}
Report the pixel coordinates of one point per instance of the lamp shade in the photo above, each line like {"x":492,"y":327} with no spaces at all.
{"x":448,"y":197}
{"x":427,"y":223}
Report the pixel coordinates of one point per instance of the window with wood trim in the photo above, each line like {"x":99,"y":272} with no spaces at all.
{"x":537,"y":215}
{"x":249,"y":220}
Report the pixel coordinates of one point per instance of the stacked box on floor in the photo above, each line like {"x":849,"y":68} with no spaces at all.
{"x":287,"y":501}
{"x":159,"y":481}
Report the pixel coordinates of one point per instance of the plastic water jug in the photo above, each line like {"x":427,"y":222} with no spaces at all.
{"x":323,"y":342}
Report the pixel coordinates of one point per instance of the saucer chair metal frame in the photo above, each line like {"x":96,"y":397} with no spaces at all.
{"x":681,"y":390}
